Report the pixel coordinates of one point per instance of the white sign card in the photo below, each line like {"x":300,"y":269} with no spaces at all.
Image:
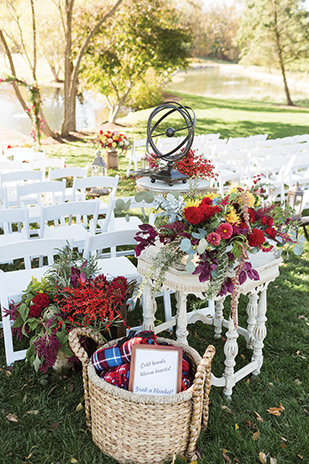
{"x":155,"y":370}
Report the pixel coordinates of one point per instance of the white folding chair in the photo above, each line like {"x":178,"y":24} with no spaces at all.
{"x":13,"y":283}
{"x":135,"y":156}
{"x":3,"y":198}
{"x":115,"y":264}
{"x":45,"y":164}
{"x":24,"y":154}
{"x":11,"y":179}
{"x":37,"y":194}
{"x":72,"y":221}
{"x":9,"y":166}
{"x":10,"y":217}
{"x":64,"y":173}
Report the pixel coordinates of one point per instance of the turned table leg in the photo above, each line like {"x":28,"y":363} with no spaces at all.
{"x":260,"y":330}
{"x":251,"y":311}
{"x":181,"y":317}
{"x":218,"y":319}
{"x":149,"y":308}
{"x":230,"y":351}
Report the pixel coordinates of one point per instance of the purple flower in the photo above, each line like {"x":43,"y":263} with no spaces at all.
{"x":143,"y":242}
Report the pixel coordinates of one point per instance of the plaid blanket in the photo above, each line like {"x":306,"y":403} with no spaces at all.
{"x":116,"y":355}
{"x":113,"y":363}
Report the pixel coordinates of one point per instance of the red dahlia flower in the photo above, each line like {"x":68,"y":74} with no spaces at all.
{"x":225,"y":230}
{"x":256,"y":238}
{"x":213,"y":238}
{"x":194,"y":214}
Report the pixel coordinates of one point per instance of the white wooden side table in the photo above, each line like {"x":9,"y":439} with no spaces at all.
{"x":183,"y":284}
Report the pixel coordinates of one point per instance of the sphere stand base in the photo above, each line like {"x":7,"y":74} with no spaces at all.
{"x":168,"y":175}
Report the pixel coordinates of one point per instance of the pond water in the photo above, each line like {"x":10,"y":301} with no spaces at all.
{"x":212,"y":81}
{"x":89,"y":112}
{"x":216,"y":81}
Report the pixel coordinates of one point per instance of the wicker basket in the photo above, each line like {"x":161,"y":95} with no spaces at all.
{"x":144,"y":429}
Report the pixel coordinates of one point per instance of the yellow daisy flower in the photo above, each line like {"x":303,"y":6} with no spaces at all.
{"x":232,"y":217}
{"x":191,"y":202}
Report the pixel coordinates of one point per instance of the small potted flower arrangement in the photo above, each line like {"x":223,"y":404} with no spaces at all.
{"x":215,"y":236}
{"x":112,"y":142}
{"x":70,"y":295}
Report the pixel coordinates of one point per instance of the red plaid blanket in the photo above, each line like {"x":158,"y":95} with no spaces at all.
{"x":113,"y":363}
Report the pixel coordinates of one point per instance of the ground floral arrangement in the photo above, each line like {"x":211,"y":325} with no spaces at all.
{"x":214,"y":236}
{"x":68,"y":296}
{"x":113,"y":140}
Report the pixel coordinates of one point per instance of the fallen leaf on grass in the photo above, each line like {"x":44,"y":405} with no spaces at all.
{"x":73,"y":461}
{"x":35,"y":412}
{"x":258,"y":416}
{"x":298,"y":382}
{"x":302,"y":316}
{"x":249,"y":424}
{"x":273,"y":460}
{"x":300,"y":456}
{"x":226,"y":458}
{"x":256,"y":435}
{"x":53,"y":427}
{"x":223,"y":406}
{"x":12,"y":417}
{"x":262,"y":457}
{"x":283,"y":439}
{"x":276,"y":411}
{"x":79,"y":407}
{"x":236,"y":426}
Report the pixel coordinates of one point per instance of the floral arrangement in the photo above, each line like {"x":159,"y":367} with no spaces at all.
{"x":214,"y":235}
{"x":192,"y":164}
{"x":113,"y":140}
{"x":68,"y":296}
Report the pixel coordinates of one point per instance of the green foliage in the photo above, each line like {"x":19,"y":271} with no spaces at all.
{"x":274,"y":32}
{"x":147,"y":92}
{"x":146,"y":35}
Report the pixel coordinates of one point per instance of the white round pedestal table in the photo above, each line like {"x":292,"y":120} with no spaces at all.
{"x":159,"y":186}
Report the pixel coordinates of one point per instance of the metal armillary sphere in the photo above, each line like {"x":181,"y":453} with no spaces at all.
{"x":169,"y":174}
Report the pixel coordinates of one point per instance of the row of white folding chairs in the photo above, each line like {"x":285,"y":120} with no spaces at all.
{"x":42,"y":164}
{"x":53,"y":191}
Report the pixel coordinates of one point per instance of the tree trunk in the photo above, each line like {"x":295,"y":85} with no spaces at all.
{"x":281,"y":62}
{"x":71,"y":71}
{"x":115,"y":109}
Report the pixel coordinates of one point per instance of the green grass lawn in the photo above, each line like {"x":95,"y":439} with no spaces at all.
{"x":49,"y":423}
{"x":231,"y":118}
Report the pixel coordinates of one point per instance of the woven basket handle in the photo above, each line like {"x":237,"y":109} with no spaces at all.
{"x":200,"y":399}
{"x":80,"y":352}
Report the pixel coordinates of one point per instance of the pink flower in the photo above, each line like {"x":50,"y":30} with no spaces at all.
{"x":213,"y":238}
{"x":225,"y":230}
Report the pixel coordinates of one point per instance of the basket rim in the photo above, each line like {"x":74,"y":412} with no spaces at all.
{"x":144,"y":399}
